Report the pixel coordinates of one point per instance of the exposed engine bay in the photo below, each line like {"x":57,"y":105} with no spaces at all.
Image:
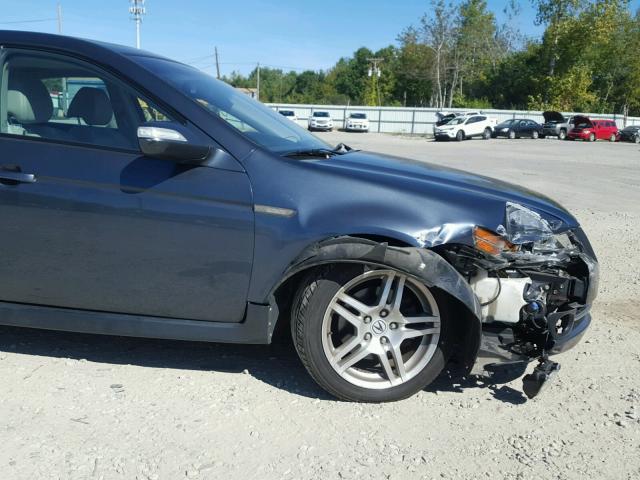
{"x":535,"y":297}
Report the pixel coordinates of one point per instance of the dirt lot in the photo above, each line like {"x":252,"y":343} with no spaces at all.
{"x":77,"y":406}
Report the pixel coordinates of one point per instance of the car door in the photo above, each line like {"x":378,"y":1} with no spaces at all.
{"x":472,"y":126}
{"x":89,"y":223}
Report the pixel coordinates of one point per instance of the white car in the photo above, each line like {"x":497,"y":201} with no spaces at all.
{"x":460,"y":128}
{"x":320,"y":120}
{"x":357,"y":122}
{"x":290,"y":114}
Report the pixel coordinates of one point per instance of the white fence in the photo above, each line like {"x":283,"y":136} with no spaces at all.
{"x":418,"y":120}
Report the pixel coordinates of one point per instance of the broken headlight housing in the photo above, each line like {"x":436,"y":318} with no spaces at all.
{"x":524,"y":225}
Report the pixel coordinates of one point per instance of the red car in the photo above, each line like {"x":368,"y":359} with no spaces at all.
{"x":592,"y":130}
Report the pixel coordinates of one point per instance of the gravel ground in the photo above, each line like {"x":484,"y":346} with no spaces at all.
{"x":79,"y":406}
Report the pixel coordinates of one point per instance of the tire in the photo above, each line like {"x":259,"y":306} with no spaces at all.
{"x":612,"y":138}
{"x":636,"y":139}
{"x":512,"y":135}
{"x":315,"y":322}
{"x":562,"y":135}
{"x":459,"y":136}
{"x":592,"y":137}
{"x":486,"y":135}
{"x":535,"y":135}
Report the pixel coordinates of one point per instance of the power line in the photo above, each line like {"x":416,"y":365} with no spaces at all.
{"x":39,"y":20}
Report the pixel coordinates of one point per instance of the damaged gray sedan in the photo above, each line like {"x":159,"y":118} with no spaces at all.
{"x":162,"y":203}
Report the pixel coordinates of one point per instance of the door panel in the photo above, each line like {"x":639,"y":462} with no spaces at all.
{"x":113,"y":231}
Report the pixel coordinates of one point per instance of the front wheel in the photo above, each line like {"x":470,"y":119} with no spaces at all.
{"x":369,"y":336}
{"x":636,"y":139}
{"x":535,"y":135}
{"x":592,"y":137}
{"x":562,"y":135}
{"x":460,"y":136}
{"x":512,"y":134}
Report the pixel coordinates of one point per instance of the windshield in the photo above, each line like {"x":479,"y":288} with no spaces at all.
{"x":506,"y":123}
{"x":251,"y":118}
{"x":358,"y":115}
{"x":632,"y":128}
{"x":321,"y":114}
{"x":286,"y":113}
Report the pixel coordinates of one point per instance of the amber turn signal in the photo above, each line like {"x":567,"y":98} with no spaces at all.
{"x":490,"y":242}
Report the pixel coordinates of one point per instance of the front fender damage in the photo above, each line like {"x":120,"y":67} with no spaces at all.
{"x":422,"y":264}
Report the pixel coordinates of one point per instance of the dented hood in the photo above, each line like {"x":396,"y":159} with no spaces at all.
{"x":434,"y":180}
{"x":552,"y":116}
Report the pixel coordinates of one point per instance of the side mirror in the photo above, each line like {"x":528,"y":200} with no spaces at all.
{"x":169,"y":144}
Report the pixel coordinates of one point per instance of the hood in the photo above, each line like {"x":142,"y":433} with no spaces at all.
{"x":404,"y":174}
{"x":552,"y":116}
{"x":578,"y":119}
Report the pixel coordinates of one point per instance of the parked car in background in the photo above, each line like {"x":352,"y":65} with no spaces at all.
{"x":630,"y":134}
{"x":357,"y":122}
{"x":460,"y":128}
{"x":517,"y":128}
{"x":445,"y":117}
{"x":592,"y":130}
{"x":557,"y":125}
{"x":290,"y":114}
{"x":320,"y":120}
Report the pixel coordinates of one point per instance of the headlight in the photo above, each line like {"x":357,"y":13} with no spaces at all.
{"x":504,"y":130}
{"x":523,"y":225}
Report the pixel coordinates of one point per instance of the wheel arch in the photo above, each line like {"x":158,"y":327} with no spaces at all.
{"x":377,"y":251}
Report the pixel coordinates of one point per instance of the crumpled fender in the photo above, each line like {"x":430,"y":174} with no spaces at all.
{"x":422,"y":264}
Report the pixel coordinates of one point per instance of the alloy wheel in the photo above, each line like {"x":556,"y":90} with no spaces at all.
{"x":381,"y":329}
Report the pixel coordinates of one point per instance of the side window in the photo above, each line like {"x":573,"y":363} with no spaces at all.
{"x":62,"y":99}
{"x":481,"y":119}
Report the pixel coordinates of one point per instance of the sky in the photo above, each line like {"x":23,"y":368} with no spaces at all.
{"x":295,"y":34}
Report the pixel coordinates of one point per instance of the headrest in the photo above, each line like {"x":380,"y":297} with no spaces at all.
{"x":91,"y":105}
{"x":28,"y":100}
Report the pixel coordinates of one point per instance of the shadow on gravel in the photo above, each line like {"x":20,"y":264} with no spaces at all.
{"x":450,"y":381}
{"x":276,"y":364}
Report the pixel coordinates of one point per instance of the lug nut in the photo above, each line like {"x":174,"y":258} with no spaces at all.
{"x":393,"y":326}
{"x":384,"y":313}
{"x":383,"y":340}
{"x":367,"y":319}
{"x":367,"y":336}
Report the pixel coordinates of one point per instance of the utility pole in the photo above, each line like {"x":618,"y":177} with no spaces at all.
{"x":137,"y":10}
{"x":258,"y":83}
{"x":217,"y":64}
{"x":59,"y":18}
{"x":374,"y":73}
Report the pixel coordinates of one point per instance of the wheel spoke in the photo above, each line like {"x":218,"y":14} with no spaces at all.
{"x":352,"y":359}
{"x":434,"y":319}
{"x":353,"y":303}
{"x":420,"y":332}
{"x":386,"y":365}
{"x":344,"y":349}
{"x":386,"y":290}
{"x":399,"y":292}
{"x":347,"y":315}
{"x":398,"y":362}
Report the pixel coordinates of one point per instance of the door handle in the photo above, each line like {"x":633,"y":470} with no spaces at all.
{"x":17,"y":177}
